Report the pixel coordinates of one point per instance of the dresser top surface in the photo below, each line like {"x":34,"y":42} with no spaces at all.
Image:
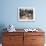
{"x":22,"y":30}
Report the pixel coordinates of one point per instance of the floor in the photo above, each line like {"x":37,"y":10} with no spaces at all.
{"x":0,"y":44}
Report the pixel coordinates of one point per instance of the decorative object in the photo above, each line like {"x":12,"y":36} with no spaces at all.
{"x":26,"y":14}
{"x":11,"y":28}
{"x":32,"y":30}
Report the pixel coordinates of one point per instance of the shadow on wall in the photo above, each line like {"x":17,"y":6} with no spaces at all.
{"x":2,"y":26}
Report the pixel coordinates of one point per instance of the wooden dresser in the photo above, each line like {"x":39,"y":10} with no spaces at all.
{"x":23,"y":38}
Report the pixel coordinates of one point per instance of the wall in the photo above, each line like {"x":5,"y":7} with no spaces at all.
{"x":9,"y":13}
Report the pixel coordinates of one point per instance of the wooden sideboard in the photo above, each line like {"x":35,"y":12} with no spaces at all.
{"x":23,"y":38}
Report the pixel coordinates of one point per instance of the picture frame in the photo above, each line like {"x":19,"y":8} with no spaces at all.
{"x":26,"y":14}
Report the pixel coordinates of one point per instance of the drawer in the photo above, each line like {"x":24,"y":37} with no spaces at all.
{"x":12,"y":44}
{"x":13,"y":33}
{"x":12,"y":38}
{"x":34,"y":33}
{"x":27,"y":37}
{"x":15,"y":42}
{"x":37,"y":44}
{"x":37,"y":39}
{"x":27,"y":41}
{"x":9,"y":45}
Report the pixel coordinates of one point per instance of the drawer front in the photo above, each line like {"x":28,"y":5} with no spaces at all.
{"x":13,"y":33}
{"x":34,"y":33}
{"x":37,"y":39}
{"x":27,"y":41}
{"x":12,"y":44}
{"x":37,"y":45}
{"x":12,"y":39}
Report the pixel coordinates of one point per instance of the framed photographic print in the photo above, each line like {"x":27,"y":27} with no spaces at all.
{"x":26,"y":14}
